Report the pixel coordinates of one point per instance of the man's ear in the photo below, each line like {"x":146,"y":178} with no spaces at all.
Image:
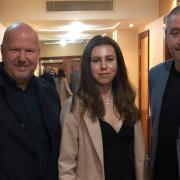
{"x":39,"y":50}
{"x":2,"y":49}
{"x":166,"y":31}
{"x":166,"y":35}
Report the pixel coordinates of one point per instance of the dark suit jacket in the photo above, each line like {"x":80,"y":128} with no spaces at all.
{"x":158,"y":78}
{"x":74,"y":81}
{"x":17,"y":150}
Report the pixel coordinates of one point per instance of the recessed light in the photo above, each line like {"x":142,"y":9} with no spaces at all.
{"x":131,"y":25}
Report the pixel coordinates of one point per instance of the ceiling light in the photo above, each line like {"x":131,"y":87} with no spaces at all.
{"x":78,"y":26}
{"x":131,"y":25}
{"x":62,"y":42}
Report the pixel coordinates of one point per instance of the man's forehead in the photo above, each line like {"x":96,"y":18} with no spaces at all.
{"x":173,"y":19}
{"x":21,"y":32}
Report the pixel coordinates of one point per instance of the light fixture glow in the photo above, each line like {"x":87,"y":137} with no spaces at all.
{"x":131,"y":25}
{"x":62,"y":42}
{"x":78,"y":26}
{"x":73,"y":33}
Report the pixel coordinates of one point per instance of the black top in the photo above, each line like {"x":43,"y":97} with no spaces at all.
{"x":118,"y":152}
{"x":166,"y":164}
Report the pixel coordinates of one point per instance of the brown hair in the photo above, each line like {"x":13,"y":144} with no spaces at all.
{"x":123,"y":94}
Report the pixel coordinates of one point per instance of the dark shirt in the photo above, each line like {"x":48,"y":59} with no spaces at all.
{"x":118,"y":152}
{"x":33,"y":122}
{"x":166,"y":164}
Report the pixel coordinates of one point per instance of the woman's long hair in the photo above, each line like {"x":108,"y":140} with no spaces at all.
{"x":122,"y":91}
{"x":61,"y":73}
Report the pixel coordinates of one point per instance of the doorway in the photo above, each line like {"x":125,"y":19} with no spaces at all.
{"x":143,"y":41}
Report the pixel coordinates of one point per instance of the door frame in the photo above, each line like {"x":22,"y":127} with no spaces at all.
{"x":140,"y":37}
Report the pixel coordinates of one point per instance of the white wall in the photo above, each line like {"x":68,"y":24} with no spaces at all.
{"x":157,"y":35}
{"x":20,"y":10}
{"x":128,"y":42}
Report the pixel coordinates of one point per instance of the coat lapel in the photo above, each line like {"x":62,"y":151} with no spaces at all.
{"x":161,"y":85}
{"x":15,"y":104}
{"x":161,"y":81}
{"x":46,"y":107}
{"x":94,"y":131}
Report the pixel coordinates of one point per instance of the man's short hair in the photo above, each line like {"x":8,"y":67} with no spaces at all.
{"x":175,"y":11}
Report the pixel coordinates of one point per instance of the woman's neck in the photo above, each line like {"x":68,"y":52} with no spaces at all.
{"x":106,"y":94}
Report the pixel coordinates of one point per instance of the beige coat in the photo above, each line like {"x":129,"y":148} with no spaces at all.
{"x":63,"y":89}
{"x":81,"y":152}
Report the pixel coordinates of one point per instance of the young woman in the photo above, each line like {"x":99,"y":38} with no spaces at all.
{"x":101,"y":132}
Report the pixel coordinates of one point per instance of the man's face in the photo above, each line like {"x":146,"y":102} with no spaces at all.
{"x":173,"y":36}
{"x":20,"y":55}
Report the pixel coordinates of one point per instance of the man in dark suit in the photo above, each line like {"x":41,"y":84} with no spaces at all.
{"x":164,"y":92}
{"x":74,"y":78}
{"x":29,"y":111}
{"x":48,"y":76}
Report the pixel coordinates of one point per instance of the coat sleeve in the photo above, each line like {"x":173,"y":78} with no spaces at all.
{"x":139,"y":152}
{"x":67,"y":161}
{"x":67,"y":86}
{"x":3,"y":176}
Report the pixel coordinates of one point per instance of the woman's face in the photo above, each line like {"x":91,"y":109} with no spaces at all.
{"x":103,"y":65}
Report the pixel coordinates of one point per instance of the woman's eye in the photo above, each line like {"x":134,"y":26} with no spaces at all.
{"x":95,"y":60}
{"x":110,"y":59}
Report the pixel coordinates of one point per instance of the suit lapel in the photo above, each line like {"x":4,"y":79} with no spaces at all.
{"x":93,"y":128}
{"x":162,"y":79}
{"x":48,"y":119}
{"x":161,"y":82}
{"x":15,"y":104}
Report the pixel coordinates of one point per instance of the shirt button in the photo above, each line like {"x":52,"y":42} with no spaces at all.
{"x":40,"y":165}
{"x":23,"y":125}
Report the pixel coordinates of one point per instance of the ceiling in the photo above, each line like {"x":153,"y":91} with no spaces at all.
{"x":72,"y":31}
{"x":56,"y":27}
{"x":67,"y":31}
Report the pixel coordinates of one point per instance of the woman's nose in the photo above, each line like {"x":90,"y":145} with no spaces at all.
{"x":103,"y":64}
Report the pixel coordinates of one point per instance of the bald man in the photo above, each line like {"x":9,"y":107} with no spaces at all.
{"x":29,"y":111}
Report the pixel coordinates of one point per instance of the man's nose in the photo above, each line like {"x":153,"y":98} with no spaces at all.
{"x":179,"y":38}
{"x":22,"y":55}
